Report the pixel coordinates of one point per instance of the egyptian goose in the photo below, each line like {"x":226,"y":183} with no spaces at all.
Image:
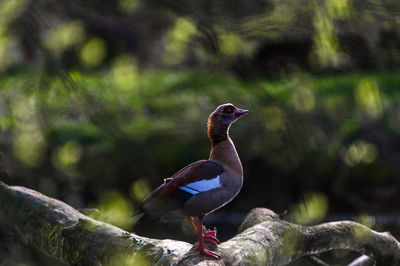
{"x":206,"y":185}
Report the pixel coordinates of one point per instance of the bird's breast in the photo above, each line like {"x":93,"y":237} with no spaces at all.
{"x":232,"y":180}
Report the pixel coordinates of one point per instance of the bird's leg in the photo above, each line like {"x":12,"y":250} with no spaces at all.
{"x":200,"y":239}
{"x":190,"y":220}
{"x":210,"y":236}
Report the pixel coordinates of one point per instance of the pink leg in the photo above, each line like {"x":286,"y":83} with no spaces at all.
{"x":210,"y":236}
{"x":189,"y":219}
{"x":200,"y":239}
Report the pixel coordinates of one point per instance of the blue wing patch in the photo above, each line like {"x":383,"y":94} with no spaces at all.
{"x":202,"y":185}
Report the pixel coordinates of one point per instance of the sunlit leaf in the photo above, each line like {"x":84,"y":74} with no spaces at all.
{"x":178,"y":39}
{"x":339,"y":8}
{"x":115,"y":209}
{"x":140,"y":189}
{"x":273,"y":118}
{"x":326,"y":50}
{"x":67,"y":155}
{"x":360,"y":151}
{"x":128,"y":5}
{"x":369,"y":97}
{"x":29,"y":147}
{"x":312,"y":210}
{"x":93,"y":52}
{"x":124,"y":73}
{"x":28,"y":144}
{"x":65,"y":36}
{"x":303,"y":99}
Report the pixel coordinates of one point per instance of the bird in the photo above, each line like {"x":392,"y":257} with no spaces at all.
{"x":205,"y":185}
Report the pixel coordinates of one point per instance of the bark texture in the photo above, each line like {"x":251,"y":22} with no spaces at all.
{"x":62,"y":232}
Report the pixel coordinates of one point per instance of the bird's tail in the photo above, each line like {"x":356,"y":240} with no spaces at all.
{"x":148,"y":211}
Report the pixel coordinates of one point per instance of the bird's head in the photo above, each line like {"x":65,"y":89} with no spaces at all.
{"x":221,"y":119}
{"x":227,"y":114}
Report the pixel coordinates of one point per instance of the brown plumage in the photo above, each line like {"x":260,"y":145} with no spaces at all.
{"x":203,"y":186}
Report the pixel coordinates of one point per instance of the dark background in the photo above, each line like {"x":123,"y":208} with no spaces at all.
{"x":100,"y":101}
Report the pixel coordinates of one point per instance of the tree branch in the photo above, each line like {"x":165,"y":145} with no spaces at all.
{"x":264,"y":239}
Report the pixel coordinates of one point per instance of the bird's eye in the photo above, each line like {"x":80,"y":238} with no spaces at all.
{"x":228,"y":109}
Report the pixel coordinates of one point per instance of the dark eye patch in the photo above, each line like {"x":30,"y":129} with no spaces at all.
{"x":228,"y":109}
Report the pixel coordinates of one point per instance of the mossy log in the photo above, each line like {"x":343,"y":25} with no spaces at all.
{"x":64,"y":233}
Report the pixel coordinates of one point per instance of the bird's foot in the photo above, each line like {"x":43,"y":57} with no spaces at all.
{"x":211,"y":237}
{"x":209,"y":253}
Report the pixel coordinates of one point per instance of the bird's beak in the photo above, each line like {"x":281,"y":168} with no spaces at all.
{"x":240,"y":112}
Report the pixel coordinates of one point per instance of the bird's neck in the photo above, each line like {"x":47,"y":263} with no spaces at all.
{"x":217,"y":132}
{"x":225,"y":153}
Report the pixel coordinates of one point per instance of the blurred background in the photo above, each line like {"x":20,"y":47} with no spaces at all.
{"x":101,"y":100}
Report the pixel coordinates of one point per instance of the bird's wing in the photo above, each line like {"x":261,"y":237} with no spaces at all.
{"x":197,"y":177}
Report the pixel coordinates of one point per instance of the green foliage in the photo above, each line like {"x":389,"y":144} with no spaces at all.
{"x":107,"y":144}
{"x":101,"y":127}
